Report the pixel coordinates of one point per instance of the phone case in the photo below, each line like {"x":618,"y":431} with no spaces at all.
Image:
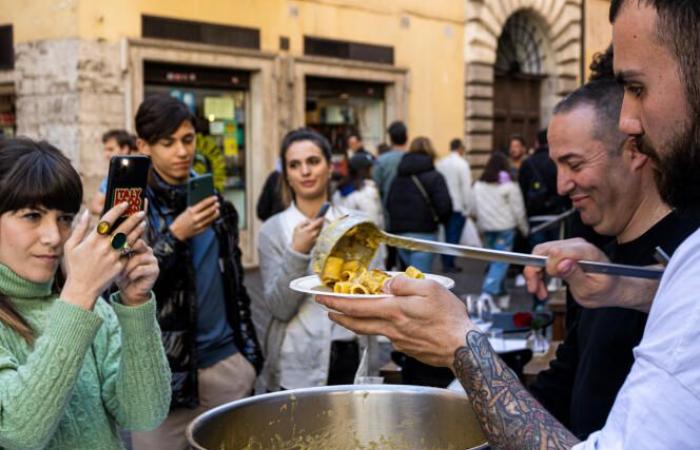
{"x":199,"y":188}
{"x":126,"y":182}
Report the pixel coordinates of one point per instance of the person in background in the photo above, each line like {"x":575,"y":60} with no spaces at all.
{"x":538,"y":183}
{"x":271,"y":200}
{"x":74,"y":368}
{"x":114,"y":143}
{"x":384,"y":172}
{"x":360,"y":193}
{"x":383,"y":148}
{"x":302,"y":347}
{"x":499,"y":213}
{"x":203,"y":305}
{"x":355,"y":146}
{"x":517,"y":154}
{"x":457,"y":173}
{"x":418,"y":201}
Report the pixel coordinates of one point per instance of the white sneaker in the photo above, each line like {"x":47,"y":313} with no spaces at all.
{"x":503,"y":301}
{"x":487,"y":307}
{"x":520,"y":280}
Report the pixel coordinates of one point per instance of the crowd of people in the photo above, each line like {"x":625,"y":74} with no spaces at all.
{"x":144,"y":324}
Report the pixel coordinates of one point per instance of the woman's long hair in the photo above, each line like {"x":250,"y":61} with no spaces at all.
{"x":497,"y":163}
{"x":34,"y":174}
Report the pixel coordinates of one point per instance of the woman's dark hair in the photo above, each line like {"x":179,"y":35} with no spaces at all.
{"x":298,"y":135}
{"x":34,"y":174}
{"x":123,"y":138}
{"x":159,"y":116}
{"x":497,"y":163}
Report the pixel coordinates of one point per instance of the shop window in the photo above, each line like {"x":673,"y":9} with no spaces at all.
{"x":202,"y":32}
{"x":7,"y":48}
{"x":219,"y":100}
{"x":315,"y":46}
{"x":337,"y":107}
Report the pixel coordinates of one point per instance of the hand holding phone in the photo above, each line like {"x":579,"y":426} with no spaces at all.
{"x":126,"y":182}
{"x":202,"y":211}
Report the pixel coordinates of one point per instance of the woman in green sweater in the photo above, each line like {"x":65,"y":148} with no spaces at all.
{"x":73,"y":367}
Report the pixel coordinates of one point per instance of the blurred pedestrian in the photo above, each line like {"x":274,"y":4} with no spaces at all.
{"x":203,"y":305}
{"x":517,"y":154}
{"x":75,"y":367}
{"x":114,"y":143}
{"x":303,"y":348}
{"x":384,"y":173}
{"x":458,"y":177}
{"x":271,"y":200}
{"x":499,"y":212}
{"x":356,"y":147}
{"x":418,"y":201}
{"x":538,"y":183}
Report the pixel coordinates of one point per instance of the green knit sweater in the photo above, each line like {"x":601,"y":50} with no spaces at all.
{"x":87,"y":373}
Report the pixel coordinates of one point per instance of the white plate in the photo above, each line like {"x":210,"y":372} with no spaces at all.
{"x":311,"y":284}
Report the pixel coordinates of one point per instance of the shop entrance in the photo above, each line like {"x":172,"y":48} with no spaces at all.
{"x":219,"y":100}
{"x":337,"y":107}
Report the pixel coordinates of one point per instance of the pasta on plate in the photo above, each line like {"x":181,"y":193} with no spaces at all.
{"x":350,"y":277}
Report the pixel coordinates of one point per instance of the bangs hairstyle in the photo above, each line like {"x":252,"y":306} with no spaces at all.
{"x":37,"y":174}
{"x":159,"y":117}
{"x":34,"y":174}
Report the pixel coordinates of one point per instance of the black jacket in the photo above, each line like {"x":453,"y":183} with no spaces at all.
{"x":409,"y":212}
{"x":538,"y":182}
{"x":175,"y":289}
{"x":592,"y":363}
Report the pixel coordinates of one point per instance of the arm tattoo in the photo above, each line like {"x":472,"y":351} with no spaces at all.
{"x":510,"y":417}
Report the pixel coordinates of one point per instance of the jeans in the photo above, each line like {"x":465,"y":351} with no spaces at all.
{"x":422,"y":261}
{"x":453,"y":231}
{"x":497,"y":240}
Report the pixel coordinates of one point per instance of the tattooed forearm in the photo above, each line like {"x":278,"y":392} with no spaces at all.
{"x":510,"y":417}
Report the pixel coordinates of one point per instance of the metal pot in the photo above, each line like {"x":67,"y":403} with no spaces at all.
{"x":355,"y":417}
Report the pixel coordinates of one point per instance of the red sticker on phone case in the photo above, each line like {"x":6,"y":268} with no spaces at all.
{"x":130,"y":195}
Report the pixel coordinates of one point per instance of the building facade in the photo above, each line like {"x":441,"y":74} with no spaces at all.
{"x":253,"y":69}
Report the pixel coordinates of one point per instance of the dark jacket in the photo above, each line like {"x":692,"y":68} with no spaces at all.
{"x":538,"y":182}
{"x":596,"y":356}
{"x":409,"y":212}
{"x":175,"y":289}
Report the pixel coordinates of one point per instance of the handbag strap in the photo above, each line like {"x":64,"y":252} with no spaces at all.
{"x":420,"y":187}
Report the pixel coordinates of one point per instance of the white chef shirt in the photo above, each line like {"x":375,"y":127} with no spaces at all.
{"x":658,"y":407}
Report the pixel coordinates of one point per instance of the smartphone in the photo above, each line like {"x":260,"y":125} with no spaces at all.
{"x":324,"y":209}
{"x":126,"y":182}
{"x":199,"y":188}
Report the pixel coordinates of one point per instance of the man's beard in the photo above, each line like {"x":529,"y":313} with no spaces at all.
{"x":677,"y":173}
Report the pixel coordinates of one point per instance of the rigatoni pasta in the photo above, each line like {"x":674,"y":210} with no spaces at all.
{"x":350,"y":277}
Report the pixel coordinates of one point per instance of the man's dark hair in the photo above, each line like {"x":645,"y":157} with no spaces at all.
{"x":677,"y":28}
{"x":159,"y":116}
{"x":456,"y":144}
{"x":519,"y":138}
{"x":605,"y":97}
{"x":398,"y":133}
{"x":602,"y":66}
{"x":356,"y":134}
{"x":123,"y":138}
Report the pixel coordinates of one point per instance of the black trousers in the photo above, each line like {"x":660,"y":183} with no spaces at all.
{"x":344,"y":361}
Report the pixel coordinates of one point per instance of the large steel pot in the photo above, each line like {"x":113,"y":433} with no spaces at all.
{"x":377,"y":417}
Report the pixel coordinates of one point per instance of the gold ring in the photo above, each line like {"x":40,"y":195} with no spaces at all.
{"x":119,"y":241}
{"x":103,"y":228}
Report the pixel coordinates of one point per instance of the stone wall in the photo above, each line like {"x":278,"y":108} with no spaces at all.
{"x":560,"y":22}
{"x":69,"y":92}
